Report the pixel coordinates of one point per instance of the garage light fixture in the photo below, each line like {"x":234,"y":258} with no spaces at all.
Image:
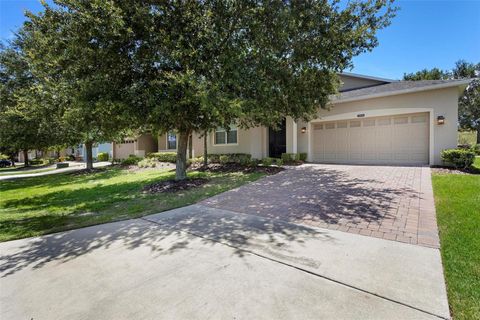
{"x":440,"y":120}
{"x":304,"y":129}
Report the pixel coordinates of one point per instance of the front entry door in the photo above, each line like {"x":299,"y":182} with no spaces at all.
{"x":277,"y":140}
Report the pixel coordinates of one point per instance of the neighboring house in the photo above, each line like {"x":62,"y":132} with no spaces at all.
{"x":139,"y":146}
{"x":80,"y":153}
{"x":371,"y":121}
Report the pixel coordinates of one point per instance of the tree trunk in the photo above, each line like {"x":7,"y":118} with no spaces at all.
{"x":88,"y":149}
{"x":25,"y":158}
{"x":205,"y":151}
{"x":190,"y":146}
{"x":12,"y":159}
{"x":181,"y":165}
{"x":478,"y":135}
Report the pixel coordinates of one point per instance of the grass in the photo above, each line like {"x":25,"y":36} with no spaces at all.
{"x":457,"y":199}
{"x":467,"y":137}
{"x":41,"y":205}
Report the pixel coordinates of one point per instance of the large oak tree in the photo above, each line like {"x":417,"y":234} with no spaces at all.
{"x":195,"y":65}
{"x":27,"y":120}
{"x":213,"y":63}
{"x":80,"y":51}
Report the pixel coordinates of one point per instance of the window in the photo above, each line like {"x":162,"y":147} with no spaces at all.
{"x":342,"y":124}
{"x":354,"y":124}
{"x":224,"y":137}
{"x":171,"y":140}
{"x":400,"y":120}
{"x":419,"y":119}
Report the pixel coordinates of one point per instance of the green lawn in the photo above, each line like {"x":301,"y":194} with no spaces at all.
{"x":457,"y":199}
{"x":40,"y":205}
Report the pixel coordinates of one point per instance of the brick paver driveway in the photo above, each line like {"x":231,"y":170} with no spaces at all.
{"x":389,"y":202}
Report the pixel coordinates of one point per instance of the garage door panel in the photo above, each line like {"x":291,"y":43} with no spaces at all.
{"x":402,"y":139}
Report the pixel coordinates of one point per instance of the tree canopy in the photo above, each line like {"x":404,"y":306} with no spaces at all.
{"x":111,"y":65}
{"x":80,"y":50}
{"x":27,"y":121}
{"x":469,"y":102}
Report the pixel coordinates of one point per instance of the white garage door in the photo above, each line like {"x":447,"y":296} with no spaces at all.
{"x":400,"y":139}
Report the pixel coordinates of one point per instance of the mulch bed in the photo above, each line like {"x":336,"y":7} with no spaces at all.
{"x":450,"y":170}
{"x":84,"y":172}
{"x":173,"y":185}
{"x":233,"y":167}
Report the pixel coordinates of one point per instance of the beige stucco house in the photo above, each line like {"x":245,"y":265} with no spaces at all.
{"x":371,"y":121}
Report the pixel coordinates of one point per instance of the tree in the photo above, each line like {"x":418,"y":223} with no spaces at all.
{"x":215,"y":63}
{"x":195,"y":65}
{"x":469,"y":108}
{"x":468,"y":103}
{"x":80,"y":51}
{"x":24,"y":123}
{"x":426,"y":74}
{"x":466,"y":70}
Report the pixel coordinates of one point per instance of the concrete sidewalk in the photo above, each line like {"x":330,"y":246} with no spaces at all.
{"x":198,"y":262}
{"x":74,"y":166}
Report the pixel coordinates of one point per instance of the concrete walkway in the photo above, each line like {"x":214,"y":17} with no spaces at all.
{"x":205,"y":263}
{"x":74,"y":166}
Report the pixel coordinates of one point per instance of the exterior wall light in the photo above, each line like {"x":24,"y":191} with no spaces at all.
{"x":440,"y":120}
{"x":304,"y":129}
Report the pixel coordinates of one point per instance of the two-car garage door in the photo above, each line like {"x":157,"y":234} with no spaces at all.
{"x":400,"y":139}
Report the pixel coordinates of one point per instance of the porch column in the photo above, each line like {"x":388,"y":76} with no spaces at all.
{"x":291,"y":132}
{"x":295,"y":139}
{"x":309,"y":142}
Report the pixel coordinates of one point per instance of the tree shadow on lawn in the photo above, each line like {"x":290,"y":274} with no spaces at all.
{"x":163,"y":234}
{"x":67,"y":209}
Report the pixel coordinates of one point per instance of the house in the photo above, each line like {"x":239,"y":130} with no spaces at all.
{"x":371,"y":121}
{"x":80,"y":153}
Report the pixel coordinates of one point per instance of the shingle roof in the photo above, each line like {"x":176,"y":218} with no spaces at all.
{"x":398,"y":87}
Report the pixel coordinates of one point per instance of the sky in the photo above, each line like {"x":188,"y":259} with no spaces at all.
{"x":424,"y":34}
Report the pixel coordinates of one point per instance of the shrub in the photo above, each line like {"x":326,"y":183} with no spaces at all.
{"x":288,"y":157}
{"x":224,"y":159}
{"x":231,"y":158}
{"x":61,"y":159}
{"x":196,"y":160}
{"x":131,"y":160}
{"x":164,"y":156}
{"x":476,"y":149}
{"x":267,"y":161}
{"x":103,"y":156}
{"x":253,"y":162}
{"x":147,"y":163}
{"x":3,"y":157}
{"x":459,"y":158}
{"x":302,"y":156}
{"x":35,"y":161}
{"x":279,"y":162}
{"x":71,"y":157}
{"x":46,"y":161}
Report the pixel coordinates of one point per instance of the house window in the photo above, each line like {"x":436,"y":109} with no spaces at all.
{"x":171,"y":140}
{"x":224,"y":137}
